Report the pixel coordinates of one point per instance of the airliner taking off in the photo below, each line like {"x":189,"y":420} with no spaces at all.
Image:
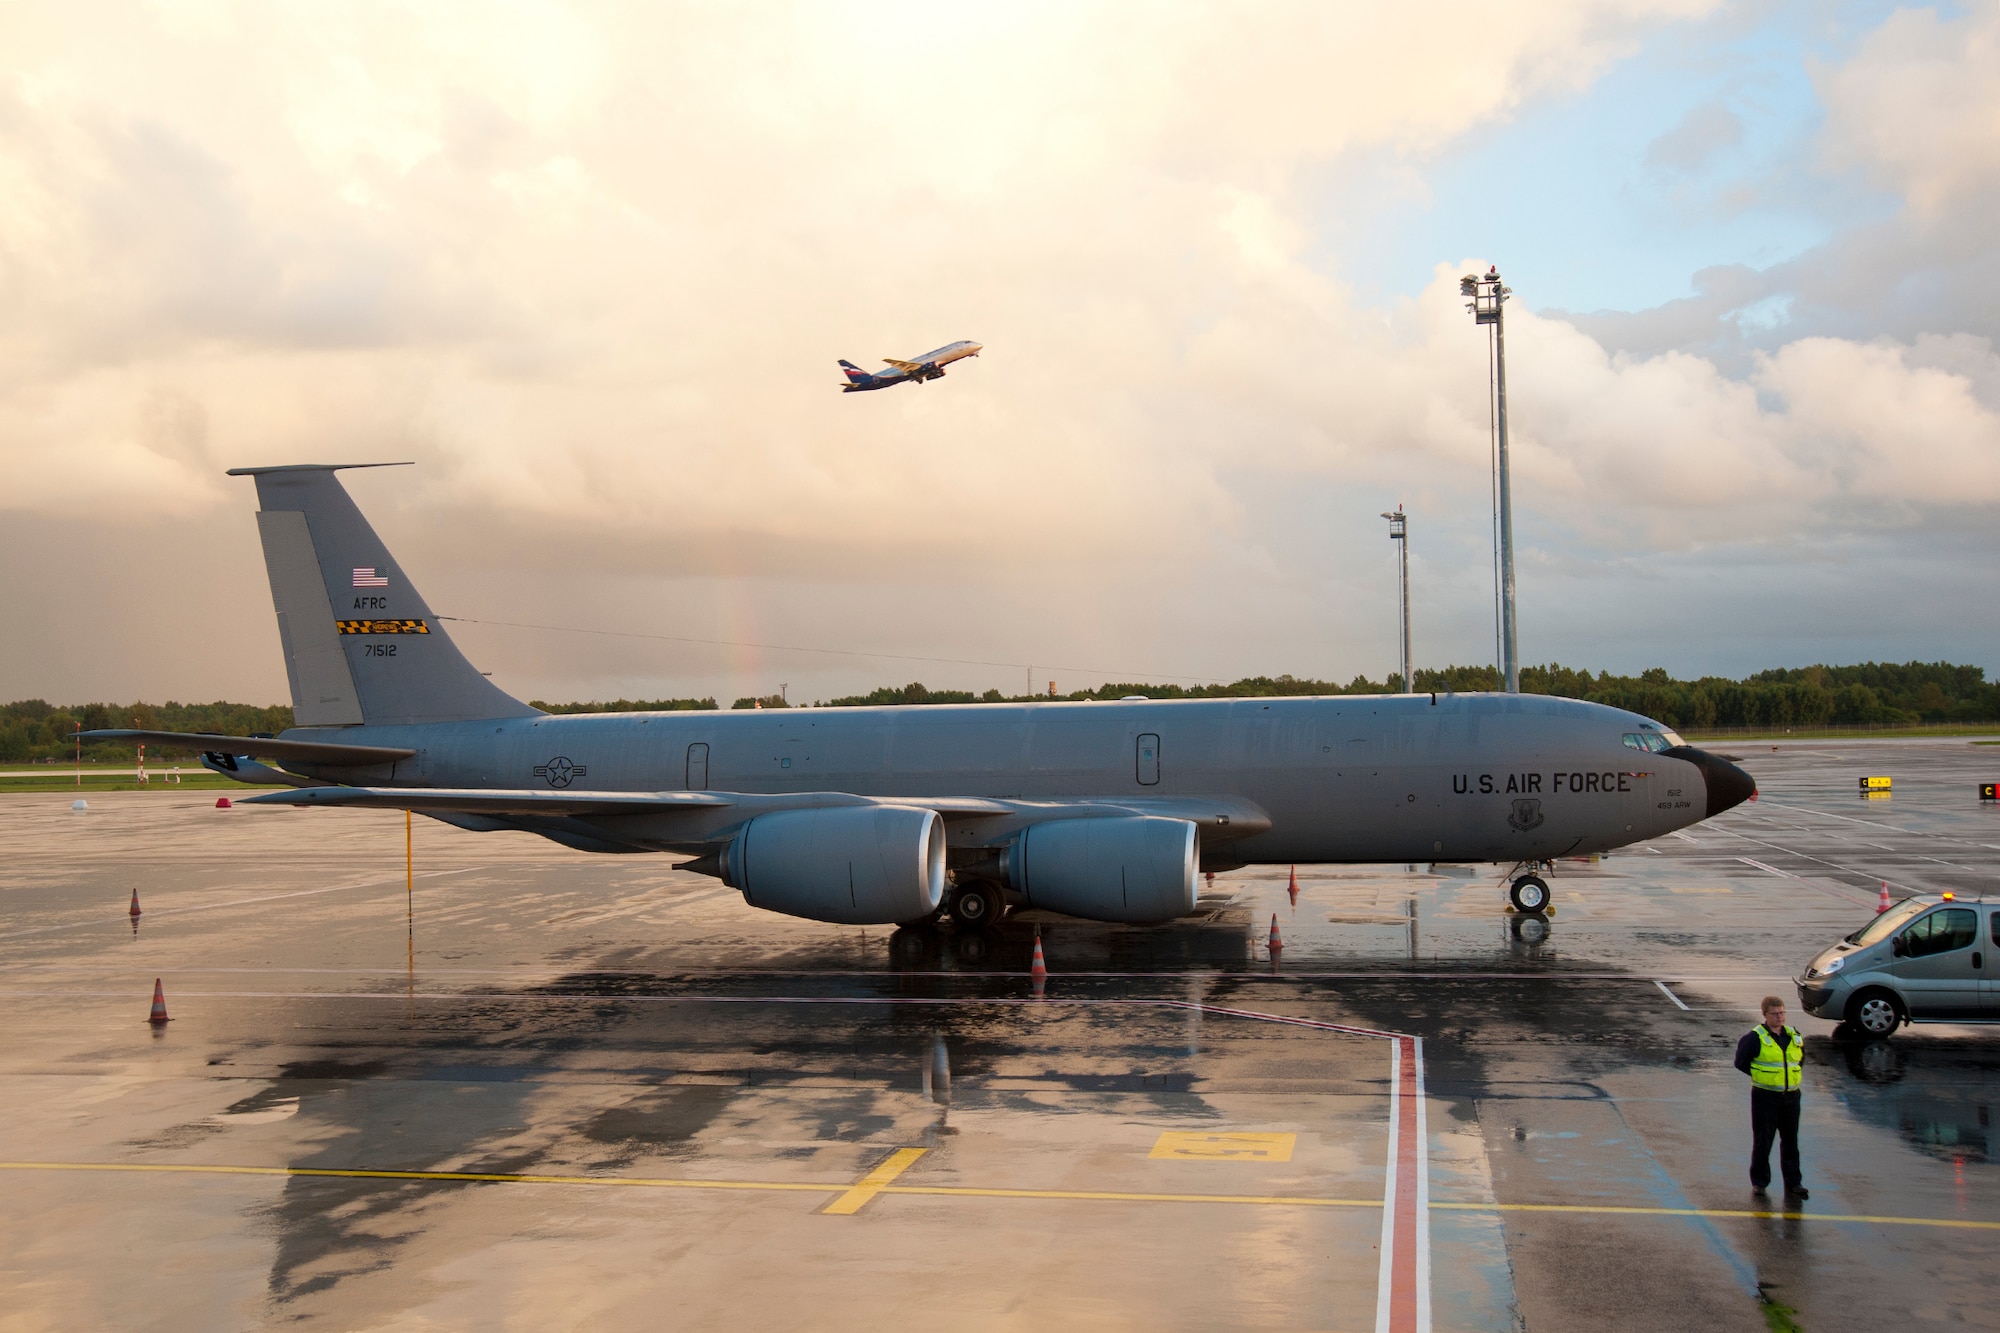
{"x":929,"y":366}
{"x":889,"y":815}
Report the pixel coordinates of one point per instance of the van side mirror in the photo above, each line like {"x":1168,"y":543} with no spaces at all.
{"x":1900,"y":947}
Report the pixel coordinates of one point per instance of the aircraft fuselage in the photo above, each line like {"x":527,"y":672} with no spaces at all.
{"x":1489,"y":777}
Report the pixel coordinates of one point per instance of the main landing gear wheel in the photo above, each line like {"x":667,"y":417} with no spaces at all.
{"x":978,"y":906}
{"x":1530,"y":893}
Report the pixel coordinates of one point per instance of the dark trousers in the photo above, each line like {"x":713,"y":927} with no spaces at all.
{"x":1774,"y":1113}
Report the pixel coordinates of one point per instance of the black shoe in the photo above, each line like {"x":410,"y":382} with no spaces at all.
{"x":1760,"y":1189}
{"x":1799,"y":1192}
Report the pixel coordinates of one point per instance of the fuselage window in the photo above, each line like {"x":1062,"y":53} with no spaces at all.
{"x":1148,"y":759}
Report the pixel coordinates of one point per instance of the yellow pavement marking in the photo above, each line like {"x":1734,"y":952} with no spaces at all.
{"x":1121,"y":1196}
{"x":1225,"y":1147}
{"x":1603,"y":1210}
{"x":874,"y":1182}
{"x":879,"y":1181}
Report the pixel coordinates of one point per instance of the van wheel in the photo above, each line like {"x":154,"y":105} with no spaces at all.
{"x":1530,"y":894}
{"x":978,"y":906}
{"x":1876,"y":1012}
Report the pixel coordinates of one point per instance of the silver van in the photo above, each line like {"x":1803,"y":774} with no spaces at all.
{"x":1922,"y":961}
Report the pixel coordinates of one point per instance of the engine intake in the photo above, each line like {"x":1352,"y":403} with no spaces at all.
{"x":1137,"y":868}
{"x":867,"y":865}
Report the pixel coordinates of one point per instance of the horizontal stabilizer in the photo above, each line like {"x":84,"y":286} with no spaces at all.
{"x":473,"y":801}
{"x":263,"y":747}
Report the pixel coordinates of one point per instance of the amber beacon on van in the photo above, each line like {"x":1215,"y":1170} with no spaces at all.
{"x":879,"y":816}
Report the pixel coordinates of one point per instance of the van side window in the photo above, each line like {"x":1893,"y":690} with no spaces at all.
{"x":1996,"y":927}
{"x":1943,"y":931}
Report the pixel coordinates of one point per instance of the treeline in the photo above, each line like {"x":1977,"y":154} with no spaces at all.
{"x":1878,"y":693}
{"x":32,"y":730}
{"x":632,"y":706}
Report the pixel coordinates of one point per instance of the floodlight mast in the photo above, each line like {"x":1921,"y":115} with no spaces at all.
{"x":1488,"y":296}
{"x":1399,"y":531}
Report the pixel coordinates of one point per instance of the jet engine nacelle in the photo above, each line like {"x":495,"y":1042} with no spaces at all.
{"x":859,"y":865}
{"x":1137,"y":868}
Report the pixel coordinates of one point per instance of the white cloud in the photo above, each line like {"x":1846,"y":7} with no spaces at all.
{"x":592,"y":268}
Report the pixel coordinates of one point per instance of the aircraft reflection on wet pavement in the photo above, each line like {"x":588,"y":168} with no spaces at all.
{"x":875,"y":816}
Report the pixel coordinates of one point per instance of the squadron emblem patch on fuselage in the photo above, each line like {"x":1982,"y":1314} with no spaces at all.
{"x":1527,"y":815}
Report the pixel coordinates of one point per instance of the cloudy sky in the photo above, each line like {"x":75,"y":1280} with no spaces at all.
{"x":590,"y":267}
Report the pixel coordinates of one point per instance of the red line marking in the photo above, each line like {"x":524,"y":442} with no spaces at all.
{"x":1403,"y":1274}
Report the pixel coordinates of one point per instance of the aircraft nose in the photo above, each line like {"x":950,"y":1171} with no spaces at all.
{"x":1728,"y":785}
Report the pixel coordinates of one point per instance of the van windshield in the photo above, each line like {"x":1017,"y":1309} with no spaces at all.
{"x":1884,"y":925}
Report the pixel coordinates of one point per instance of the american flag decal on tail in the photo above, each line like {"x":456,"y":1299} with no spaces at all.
{"x":368,"y":578}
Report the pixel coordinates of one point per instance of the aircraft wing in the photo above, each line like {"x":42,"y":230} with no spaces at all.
{"x":261,"y":747}
{"x":1218,"y":817}
{"x":904,"y":365}
{"x":479,"y":801}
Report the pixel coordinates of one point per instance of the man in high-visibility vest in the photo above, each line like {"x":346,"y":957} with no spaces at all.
{"x":1772,"y":1055}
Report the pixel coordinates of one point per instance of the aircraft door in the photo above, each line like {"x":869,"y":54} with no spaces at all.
{"x":698,"y":766}
{"x":1147,"y":760}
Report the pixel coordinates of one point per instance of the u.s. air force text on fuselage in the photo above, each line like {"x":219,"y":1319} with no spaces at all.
{"x":880,"y":815}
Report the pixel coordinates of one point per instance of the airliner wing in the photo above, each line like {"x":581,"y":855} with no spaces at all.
{"x":904,"y":365}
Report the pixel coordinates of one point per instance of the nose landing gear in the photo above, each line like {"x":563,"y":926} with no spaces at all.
{"x":1530,"y":893}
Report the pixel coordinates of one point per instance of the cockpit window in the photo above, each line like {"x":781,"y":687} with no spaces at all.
{"x":1651,"y":741}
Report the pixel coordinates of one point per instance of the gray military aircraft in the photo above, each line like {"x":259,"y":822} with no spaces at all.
{"x":889,"y":815}
{"x":929,"y":366}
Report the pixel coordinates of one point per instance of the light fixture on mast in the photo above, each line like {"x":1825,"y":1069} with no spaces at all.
{"x":1489,"y":295}
{"x":1399,"y":531}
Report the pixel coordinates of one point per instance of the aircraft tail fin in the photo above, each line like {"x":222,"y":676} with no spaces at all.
{"x":360,"y":643}
{"x":855,"y":374}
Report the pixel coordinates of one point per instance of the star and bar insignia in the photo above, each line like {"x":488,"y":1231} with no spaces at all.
{"x":560,"y":772}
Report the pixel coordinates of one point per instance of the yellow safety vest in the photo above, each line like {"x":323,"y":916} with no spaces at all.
{"x":1776,"y":1068}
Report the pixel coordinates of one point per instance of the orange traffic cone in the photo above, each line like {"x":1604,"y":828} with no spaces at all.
{"x":134,"y":913}
{"x":1277,"y":945}
{"x":1882,"y":904}
{"x":1293,"y":887}
{"x":222,"y":803}
{"x":1038,"y":969}
{"x":159,"y":1014}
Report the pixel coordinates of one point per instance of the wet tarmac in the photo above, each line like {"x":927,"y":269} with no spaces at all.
{"x":609,"y":1095}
